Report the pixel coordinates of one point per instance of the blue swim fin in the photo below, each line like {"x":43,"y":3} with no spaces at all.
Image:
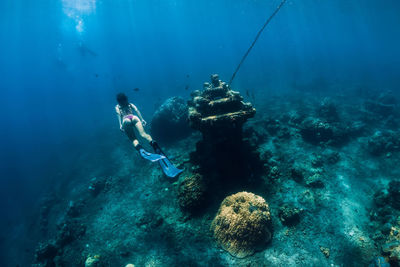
{"x":168,"y":168}
{"x":150,"y":156}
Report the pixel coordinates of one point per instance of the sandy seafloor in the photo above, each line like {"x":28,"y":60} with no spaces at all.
{"x":135,"y":217}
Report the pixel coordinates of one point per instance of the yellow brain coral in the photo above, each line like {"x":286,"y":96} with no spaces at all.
{"x":242,"y":224}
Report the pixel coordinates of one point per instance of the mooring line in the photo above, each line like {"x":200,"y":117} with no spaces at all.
{"x":255,"y":39}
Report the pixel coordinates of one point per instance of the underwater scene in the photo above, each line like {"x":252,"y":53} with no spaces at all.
{"x":199,"y":133}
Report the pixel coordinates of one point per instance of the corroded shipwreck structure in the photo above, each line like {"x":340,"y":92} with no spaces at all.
{"x":219,"y":114}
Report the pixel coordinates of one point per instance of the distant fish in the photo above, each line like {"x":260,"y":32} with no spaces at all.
{"x":96,"y":75}
{"x":187,"y":76}
{"x":187,"y":87}
{"x":84,"y":50}
{"x":136,"y":89}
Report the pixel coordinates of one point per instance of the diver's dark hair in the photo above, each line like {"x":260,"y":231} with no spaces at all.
{"x":122,"y":100}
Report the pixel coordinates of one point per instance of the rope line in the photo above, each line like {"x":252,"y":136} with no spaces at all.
{"x":255,"y":40}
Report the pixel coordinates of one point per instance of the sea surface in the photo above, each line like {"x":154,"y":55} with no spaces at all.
{"x":332,"y":64}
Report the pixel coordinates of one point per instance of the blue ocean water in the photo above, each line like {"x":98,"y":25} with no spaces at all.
{"x":62,"y":63}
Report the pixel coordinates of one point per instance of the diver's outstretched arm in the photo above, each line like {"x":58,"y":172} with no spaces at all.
{"x":119,"y":118}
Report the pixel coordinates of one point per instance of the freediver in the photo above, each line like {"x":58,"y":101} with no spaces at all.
{"x":128,"y":122}
{"x":84,"y":50}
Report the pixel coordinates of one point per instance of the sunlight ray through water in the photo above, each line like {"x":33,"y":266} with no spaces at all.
{"x":77,"y":9}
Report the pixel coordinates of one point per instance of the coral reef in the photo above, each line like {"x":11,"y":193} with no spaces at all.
{"x":309,"y":173}
{"x":383,"y":142}
{"x":191,"y":193}
{"x":46,"y":253}
{"x":379,"y":262}
{"x":385,"y":216}
{"x":242,"y":224}
{"x":317,"y":131}
{"x":45,"y":209}
{"x":328,"y":111}
{"x":170,"y":121}
{"x":327,"y":164}
{"x":394,"y":194}
{"x":97,"y":185}
{"x":289,"y":215}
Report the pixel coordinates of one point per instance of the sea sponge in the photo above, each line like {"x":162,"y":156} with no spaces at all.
{"x":242,"y":224}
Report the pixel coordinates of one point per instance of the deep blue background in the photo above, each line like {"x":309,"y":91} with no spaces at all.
{"x":51,"y":99}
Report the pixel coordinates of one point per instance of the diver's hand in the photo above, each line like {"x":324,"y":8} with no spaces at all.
{"x":144,"y":123}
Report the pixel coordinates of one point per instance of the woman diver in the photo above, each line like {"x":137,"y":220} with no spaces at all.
{"x":128,"y":122}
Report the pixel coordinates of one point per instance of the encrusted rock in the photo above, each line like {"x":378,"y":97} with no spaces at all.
{"x":394,"y":194}
{"x":315,"y":181}
{"x":317,"y":161}
{"x":274,"y":173}
{"x":332,"y":157}
{"x":275,"y":128}
{"x":297,"y":173}
{"x":289,"y":215}
{"x":97,"y":185}
{"x":170,"y":121}
{"x":328,"y":110}
{"x":74,"y":208}
{"x":46,"y":252}
{"x":379,"y":262}
{"x":383,"y":142}
{"x":317,"y":131}
{"x":191,"y":193}
{"x":386,"y":228}
{"x":242,"y":224}
{"x":381,"y":198}
{"x":272,"y":126}
{"x":69,"y":231}
{"x":150,"y":221}
{"x":93,"y":261}
{"x":390,"y":247}
{"x":325,"y":251}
